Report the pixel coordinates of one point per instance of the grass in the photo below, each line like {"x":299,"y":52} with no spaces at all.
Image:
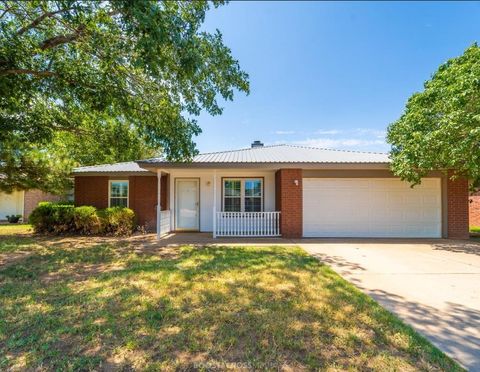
{"x":15,"y":229}
{"x":475,"y":233}
{"x":100,"y":303}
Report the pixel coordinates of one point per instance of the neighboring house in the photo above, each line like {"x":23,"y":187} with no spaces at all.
{"x":474,"y":209}
{"x":284,"y":190}
{"x":22,"y":202}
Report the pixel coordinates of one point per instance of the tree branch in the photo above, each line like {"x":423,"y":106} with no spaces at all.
{"x":39,"y":19}
{"x":21,"y":71}
{"x":62,"y":39}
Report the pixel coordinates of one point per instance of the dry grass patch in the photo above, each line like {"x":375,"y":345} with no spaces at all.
{"x":8,"y":229}
{"x":102,"y":303}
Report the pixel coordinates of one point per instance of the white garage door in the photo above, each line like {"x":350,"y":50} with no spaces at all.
{"x":371,"y":207}
{"x":11,"y":204}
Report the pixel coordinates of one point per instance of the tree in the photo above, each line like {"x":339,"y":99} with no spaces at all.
{"x":76,"y":74}
{"x":440,"y":128}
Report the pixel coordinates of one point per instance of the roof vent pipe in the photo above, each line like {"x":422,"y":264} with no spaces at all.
{"x":257,"y":144}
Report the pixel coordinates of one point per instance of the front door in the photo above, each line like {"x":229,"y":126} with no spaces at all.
{"x":187,"y":204}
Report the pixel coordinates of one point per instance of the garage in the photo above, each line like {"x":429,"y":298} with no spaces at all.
{"x":11,"y":204}
{"x":371,"y":207}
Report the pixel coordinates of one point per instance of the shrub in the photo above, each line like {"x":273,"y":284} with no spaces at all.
{"x":117,"y":220}
{"x":64,"y":217}
{"x":86,"y":220}
{"x":52,"y":217}
{"x":14,"y":218}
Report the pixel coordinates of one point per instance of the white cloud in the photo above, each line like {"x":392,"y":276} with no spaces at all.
{"x":327,"y":132}
{"x":371,"y":132}
{"x":356,"y":132}
{"x":340,"y":143}
{"x":283,"y":132}
{"x":362,"y":139}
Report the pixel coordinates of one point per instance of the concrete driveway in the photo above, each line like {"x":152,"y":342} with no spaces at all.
{"x":433,"y":285}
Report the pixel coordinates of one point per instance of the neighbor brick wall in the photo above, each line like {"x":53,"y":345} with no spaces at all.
{"x":91,"y":190}
{"x":289,"y":200}
{"x":474,"y":210}
{"x":457,"y":208}
{"x":33,"y":197}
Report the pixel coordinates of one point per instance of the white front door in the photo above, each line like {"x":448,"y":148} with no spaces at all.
{"x":187,"y":204}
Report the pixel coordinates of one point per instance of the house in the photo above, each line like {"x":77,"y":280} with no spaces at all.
{"x":284,"y":190}
{"x":23,"y":202}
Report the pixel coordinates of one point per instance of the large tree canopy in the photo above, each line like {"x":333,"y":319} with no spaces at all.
{"x":440,"y":128}
{"x":83,"y":82}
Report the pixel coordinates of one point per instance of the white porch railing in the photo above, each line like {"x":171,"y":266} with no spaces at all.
{"x":164,"y":222}
{"x":247,"y":224}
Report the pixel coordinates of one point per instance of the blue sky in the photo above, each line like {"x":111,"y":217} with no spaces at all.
{"x":331,"y":74}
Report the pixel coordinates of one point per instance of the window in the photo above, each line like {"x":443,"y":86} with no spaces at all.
{"x":243,"y":195}
{"x":118,"y":194}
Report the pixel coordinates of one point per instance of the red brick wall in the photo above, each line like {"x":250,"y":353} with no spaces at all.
{"x":33,"y":197}
{"x":457,"y":208}
{"x":92,"y":190}
{"x":474,"y":210}
{"x":142,"y":197}
{"x":289,"y":200}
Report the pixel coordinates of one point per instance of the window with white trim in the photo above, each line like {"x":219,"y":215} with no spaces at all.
{"x":243,"y":195}
{"x":118,"y":193}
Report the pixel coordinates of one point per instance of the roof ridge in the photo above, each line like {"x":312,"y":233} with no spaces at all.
{"x":329,"y":149}
{"x":279,"y":145}
{"x":242,"y":149}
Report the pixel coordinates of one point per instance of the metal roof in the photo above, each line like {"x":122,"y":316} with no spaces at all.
{"x":281,"y":154}
{"x":126,"y":167}
{"x":276,"y":154}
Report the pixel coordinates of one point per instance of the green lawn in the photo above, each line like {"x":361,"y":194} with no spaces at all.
{"x":102,"y":303}
{"x":475,"y":229}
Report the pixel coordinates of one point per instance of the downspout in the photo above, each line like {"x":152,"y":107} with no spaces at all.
{"x":159,"y":200}
{"x":214,"y":203}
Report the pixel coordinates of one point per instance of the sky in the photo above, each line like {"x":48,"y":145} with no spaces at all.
{"x":331,"y":74}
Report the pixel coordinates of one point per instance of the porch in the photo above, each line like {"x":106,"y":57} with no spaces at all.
{"x":232,"y":224}
{"x":224,"y":203}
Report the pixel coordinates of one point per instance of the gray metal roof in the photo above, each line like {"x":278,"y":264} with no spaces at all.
{"x":282,"y":154}
{"x":277,"y":154}
{"x":126,"y":167}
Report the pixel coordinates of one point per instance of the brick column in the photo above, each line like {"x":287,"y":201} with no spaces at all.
{"x":289,"y":200}
{"x":457,"y":208}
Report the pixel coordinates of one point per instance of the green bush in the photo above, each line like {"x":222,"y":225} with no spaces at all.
{"x":60,"y":218}
{"x":86,"y":220}
{"x":52,"y":217}
{"x":117,"y":220}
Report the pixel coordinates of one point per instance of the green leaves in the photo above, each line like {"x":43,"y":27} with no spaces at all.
{"x":440,"y":128}
{"x":71,"y":71}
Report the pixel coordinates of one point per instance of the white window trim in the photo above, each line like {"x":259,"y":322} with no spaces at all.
{"x":110,"y":191}
{"x":242,"y":191}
